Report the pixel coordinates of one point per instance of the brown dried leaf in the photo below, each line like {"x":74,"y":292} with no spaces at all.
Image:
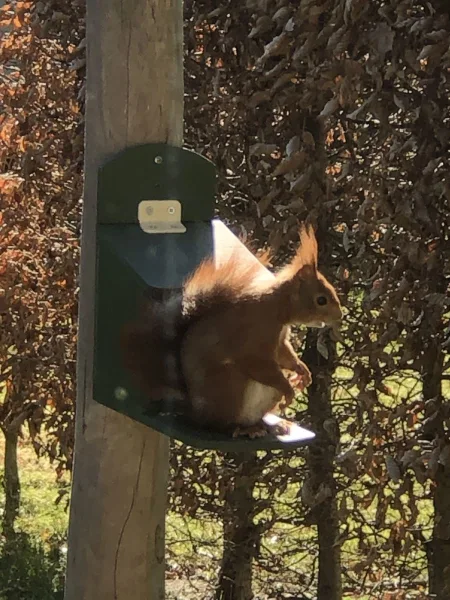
{"x":293,"y":145}
{"x":382,"y":39}
{"x":266,"y":201}
{"x":259,"y":97}
{"x":301,"y":183}
{"x":291,"y":163}
{"x":282,"y":15}
{"x":392,"y":468}
{"x":330,"y":107}
{"x":261,"y":149}
{"x":278,"y":46}
{"x":263,"y":25}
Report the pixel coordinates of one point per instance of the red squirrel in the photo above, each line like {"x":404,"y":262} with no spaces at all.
{"x":222,"y":345}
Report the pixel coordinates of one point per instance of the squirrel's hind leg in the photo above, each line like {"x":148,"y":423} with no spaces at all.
{"x":216,"y":393}
{"x":261,"y":429}
{"x":251,"y":431}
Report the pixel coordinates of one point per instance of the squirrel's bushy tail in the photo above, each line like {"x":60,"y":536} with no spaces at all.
{"x":150,"y":349}
{"x":151,"y":346}
{"x":214,"y":285}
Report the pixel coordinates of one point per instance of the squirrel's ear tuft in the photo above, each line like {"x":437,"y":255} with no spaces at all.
{"x":304,"y":262}
{"x":307,"y":251}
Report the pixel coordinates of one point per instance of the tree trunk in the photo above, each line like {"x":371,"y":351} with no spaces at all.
{"x":134,"y":95}
{"x":240,"y":534}
{"x":11,"y":483}
{"x":439,"y":546}
{"x":320,"y":462}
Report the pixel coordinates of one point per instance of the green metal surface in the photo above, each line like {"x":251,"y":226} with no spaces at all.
{"x":160,"y":260}
{"x":156,"y":172}
{"x":129,"y":262}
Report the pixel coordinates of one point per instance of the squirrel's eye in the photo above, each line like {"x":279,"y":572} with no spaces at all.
{"x":321,"y":300}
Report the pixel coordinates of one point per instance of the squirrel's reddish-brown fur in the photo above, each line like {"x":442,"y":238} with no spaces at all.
{"x":230,"y":340}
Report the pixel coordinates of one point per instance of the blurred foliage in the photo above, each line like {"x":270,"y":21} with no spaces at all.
{"x":41,"y":157}
{"x":29,"y":571}
{"x":265,"y":80}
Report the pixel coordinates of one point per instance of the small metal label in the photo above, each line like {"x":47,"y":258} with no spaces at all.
{"x":160,"y":216}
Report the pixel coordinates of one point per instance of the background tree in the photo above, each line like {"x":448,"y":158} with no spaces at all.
{"x":40,"y":156}
{"x":335,"y":112}
{"x":374,"y":76}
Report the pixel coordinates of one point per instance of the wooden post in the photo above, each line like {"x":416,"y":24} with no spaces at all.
{"x":134,"y":95}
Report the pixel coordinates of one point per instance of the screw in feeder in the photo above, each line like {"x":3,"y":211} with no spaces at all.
{"x":171,"y":210}
{"x":121,"y":394}
{"x":158,"y":160}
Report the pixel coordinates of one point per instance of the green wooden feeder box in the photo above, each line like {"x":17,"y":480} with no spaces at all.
{"x":131,"y":261}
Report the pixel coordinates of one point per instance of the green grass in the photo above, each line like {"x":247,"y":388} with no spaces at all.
{"x":39,"y":515}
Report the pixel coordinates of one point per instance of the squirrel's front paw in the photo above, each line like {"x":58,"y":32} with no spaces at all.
{"x":302,"y":378}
